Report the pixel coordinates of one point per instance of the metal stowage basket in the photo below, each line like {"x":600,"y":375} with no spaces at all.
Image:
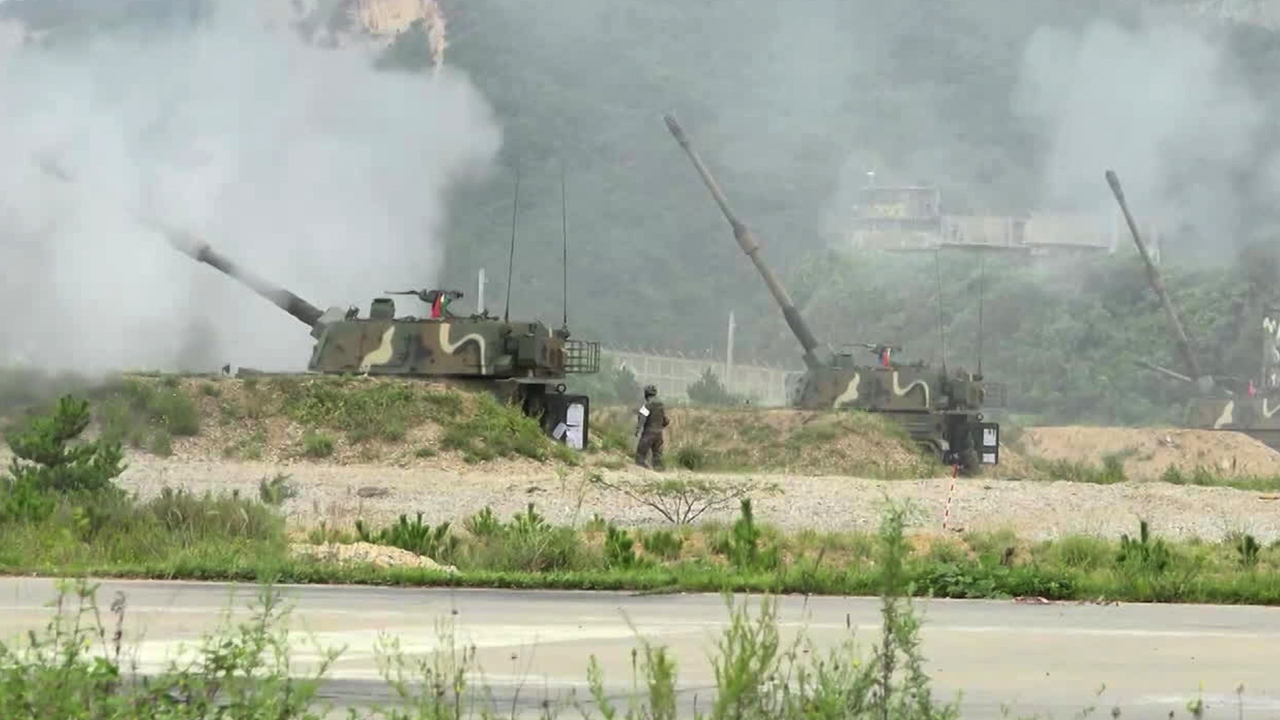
{"x":581,"y":356}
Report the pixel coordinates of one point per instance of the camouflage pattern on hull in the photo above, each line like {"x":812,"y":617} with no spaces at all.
{"x":879,"y":389}
{"x":1234,"y":413}
{"x":469,"y":347}
{"x":1258,"y":417}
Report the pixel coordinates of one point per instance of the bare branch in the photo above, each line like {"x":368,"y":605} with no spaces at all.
{"x":682,"y":501}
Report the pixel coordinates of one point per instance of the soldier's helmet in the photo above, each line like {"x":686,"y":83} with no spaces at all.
{"x":650,"y":391}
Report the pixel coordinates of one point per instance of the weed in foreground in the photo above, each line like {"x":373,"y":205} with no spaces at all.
{"x":277,"y":490}
{"x":75,"y":669}
{"x":242,"y":672}
{"x":757,"y":677}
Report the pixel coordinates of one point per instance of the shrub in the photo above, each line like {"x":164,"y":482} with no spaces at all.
{"x":619,"y":549}
{"x":417,"y":537}
{"x":276,"y":490}
{"x":662,"y":543}
{"x":691,"y":457}
{"x":189,"y":519}
{"x":316,"y":445}
{"x":682,"y":501}
{"x":365,"y":409}
{"x":46,"y":460}
{"x":496,"y":430}
{"x":708,"y":390}
{"x":483,"y":524}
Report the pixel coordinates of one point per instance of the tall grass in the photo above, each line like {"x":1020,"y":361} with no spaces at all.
{"x":75,"y":668}
{"x":246,"y":670}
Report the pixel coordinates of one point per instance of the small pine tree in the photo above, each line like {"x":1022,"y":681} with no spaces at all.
{"x":47,"y":461}
{"x":625,"y":386}
{"x":708,"y":390}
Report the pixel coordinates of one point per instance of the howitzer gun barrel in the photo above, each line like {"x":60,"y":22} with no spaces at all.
{"x":746,"y":240}
{"x":200,"y":251}
{"x":1155,"y":279}
{"x":1163,"y":371}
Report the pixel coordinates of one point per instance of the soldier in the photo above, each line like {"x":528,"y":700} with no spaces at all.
{"x":651,"y":419}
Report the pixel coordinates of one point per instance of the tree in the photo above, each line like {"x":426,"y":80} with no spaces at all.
{"x":708,"y":390}
{"x":47,"y":461}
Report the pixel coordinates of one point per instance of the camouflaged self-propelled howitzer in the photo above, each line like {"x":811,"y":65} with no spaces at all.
{"x":518,"y":361}
{"x":941,"y":411}
{"x":1217,"y":402}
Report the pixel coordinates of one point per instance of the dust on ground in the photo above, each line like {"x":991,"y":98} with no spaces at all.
{"x":1148,"y":452}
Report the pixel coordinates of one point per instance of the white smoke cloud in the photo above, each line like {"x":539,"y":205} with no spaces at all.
{"x":1160,"y":104}
{"x":301,"y":163}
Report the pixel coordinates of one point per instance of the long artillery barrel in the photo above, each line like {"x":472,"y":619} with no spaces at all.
{"x":200,"y":251}
{"x":747,"y":241}
{"x":1155,"y":280}
{"x":1163,"y":371}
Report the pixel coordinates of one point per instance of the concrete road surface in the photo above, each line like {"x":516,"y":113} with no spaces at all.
{"x":1044,"y":659}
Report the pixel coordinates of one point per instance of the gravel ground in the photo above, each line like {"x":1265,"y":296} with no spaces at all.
{"x":1034,"y":510}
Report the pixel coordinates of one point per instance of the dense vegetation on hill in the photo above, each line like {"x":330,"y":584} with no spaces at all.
{"x":791,"y":105}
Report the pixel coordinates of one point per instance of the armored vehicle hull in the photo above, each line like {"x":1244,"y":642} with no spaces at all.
{"x":1252,"y":416}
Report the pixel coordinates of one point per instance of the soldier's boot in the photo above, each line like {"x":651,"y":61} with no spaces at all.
{"x":642,"y":449}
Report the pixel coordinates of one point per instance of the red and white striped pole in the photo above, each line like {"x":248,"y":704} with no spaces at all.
{"x":946,"y":514}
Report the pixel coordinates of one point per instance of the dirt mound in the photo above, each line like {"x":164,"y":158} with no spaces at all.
{"x":799,"y":442}
{"x":292,"y":420}
{"x":1148,"y":452}
{"x":381,"y":556}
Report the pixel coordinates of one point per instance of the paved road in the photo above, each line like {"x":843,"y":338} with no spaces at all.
{"x":1037,"y":658}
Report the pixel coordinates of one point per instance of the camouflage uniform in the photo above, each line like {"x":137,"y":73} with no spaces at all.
{"x":651,"y":419}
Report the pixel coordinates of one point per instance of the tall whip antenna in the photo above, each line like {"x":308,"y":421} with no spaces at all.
{"x":942,"y":333}
{"x":982,"y":282}
{"x":564,"y":231}
{"x":515,"y":206}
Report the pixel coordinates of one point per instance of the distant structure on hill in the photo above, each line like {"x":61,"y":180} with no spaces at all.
{"x":912,"y":219}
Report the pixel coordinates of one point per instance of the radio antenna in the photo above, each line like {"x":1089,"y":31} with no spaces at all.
{"x":564,"y":232}
{"x":515,"y":206}
{"x":982,"y":282}
{"x":942,"y":333}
